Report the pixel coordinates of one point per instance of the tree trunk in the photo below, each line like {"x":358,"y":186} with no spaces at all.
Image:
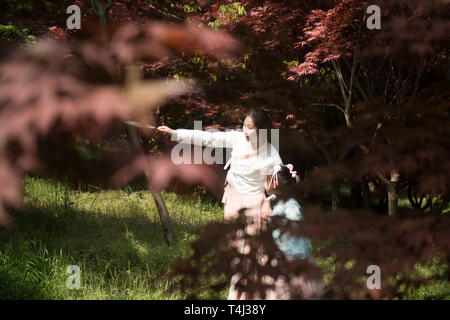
{"x":102,"y":11}
{"x":163,"y":215}
{"x":391,"y":186}
{"x":159,"y":201}
{"x":355,"y":194}
{"x":335,"y":202}
{"x":366,"y":195}
{"x":393,"y":193}
{"x":392,"y":199}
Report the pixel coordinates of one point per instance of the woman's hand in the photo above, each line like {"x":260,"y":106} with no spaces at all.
{"x":270,"y":189}
{"x":266,"y":210}
{"x":165,"y":129}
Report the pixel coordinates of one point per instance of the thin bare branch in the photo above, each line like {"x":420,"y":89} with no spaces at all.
{"x":340,"y":80}
{"x":329,"y":105}
{"x":387,"y":79}
{"x":383,"y":178}
{"x":358,"y":85}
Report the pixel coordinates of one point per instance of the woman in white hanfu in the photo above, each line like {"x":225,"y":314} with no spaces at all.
{"x":252,"y":160}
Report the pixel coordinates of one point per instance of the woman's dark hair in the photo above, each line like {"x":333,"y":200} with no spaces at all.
{"x":261,"y":119}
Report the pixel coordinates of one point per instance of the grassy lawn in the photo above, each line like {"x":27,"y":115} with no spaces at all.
{"x":116,"y":239}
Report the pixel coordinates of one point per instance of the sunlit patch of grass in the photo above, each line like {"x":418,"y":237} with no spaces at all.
{"x":115,"y":237}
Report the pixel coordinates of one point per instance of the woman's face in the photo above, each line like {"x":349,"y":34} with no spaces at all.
{"x":249,"y":127}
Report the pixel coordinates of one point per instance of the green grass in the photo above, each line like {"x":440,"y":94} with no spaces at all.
{"x":434,"y":289}
{"x":116,"y":239}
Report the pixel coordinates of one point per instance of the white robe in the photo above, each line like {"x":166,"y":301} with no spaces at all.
{"x":246,"y":176}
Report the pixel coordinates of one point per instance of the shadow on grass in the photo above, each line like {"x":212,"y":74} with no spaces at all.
{"x":13,"y":287}
{"x":110,"y":250}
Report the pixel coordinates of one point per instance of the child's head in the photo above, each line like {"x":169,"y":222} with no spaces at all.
{"x":283,"y":179}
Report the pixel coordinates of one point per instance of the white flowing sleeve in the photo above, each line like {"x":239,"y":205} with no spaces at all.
{"x":275,"y":156}
{"x":272,"y":160}
{"x":205,"y":138}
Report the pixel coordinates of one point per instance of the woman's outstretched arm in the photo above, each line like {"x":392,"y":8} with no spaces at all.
{"x":199,"y":137}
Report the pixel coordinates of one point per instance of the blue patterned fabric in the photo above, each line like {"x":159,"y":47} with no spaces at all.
{"x":297,"y":248}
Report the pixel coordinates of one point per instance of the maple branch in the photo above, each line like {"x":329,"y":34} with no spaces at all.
{"x":442,"y":65}
{"x":420,"y":68}
{"x":340,"y":80}
{"x":166,"y":13}
{"x":387,"y":79}
{"x":397,"y":90}
{"x":325,"y":152}
{"x":405,"y":82}
{"x":361,"y":91}
{"x":366,"y":77}
{"x":383,"y":178}
{"x":109,"y":4}
{"x":206,"y":3}
{"x":102,"y":10}
{"x":375,"y":133}
{"x":347,"y":148}
{"x":329,"y":105}
{"x":341,"y":75}
{"x":348,"y":98}
{"x":365,"y":149}
{"x":358,"y":85}
{"x":352,"y":75}
{"x":348,"y":104}
{"x":137,"y":5}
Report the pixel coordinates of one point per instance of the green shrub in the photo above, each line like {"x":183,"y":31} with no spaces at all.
{"x":12,"y":33}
